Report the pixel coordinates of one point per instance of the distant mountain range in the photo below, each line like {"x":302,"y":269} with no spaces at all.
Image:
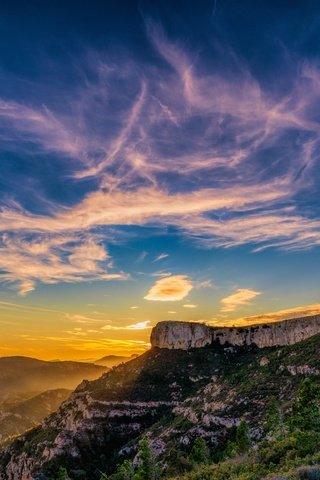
{"x":17,"y":417}
{"x":24,"y":375}
{"x":113,"y":360}
{"x":31,"y":389}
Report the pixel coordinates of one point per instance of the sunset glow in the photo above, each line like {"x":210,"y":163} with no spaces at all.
{"x":157,"y":163}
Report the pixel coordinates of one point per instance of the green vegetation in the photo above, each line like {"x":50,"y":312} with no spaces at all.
{"x":273,"y":418}
{"x":306,"y":407}
{"x":292,"y":452}
{"x":62,"y":474}
{"x":200,"y":452}
{"x":146,"y":468}
{"x":241,"y":443}
{"x":208,"y":413}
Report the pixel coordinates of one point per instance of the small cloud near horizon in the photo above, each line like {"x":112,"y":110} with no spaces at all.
{"x":241,"y":297}
{"x":270,"y":317}
{"x":135,"y":326}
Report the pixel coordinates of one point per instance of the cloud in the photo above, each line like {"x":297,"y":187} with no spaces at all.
{"x":284,"y":314}
{"x":170,"y":289}
{"x":40,"y":126}
{"x":142,"y":206}
{"x":241,"y":297}
{"x":204,"y":284}
{"x":217,"y":155}
{"x":190,"y":305}
{"x":135,"y":326}
{"x":50,"y":259}
{"x":160,"y":274}
{"x":82,"y":319}
{"x":27,"y":308}
{"x":161,"y":257}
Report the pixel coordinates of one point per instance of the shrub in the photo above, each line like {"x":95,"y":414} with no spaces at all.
{"x":306,"y":407}
{"x":200,"y":452}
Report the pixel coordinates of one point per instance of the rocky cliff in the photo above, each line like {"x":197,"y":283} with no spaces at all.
{"x":184,"y":335}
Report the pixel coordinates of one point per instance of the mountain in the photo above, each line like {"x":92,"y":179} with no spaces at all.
{"x":113,"y":360}
{"x":28,"y":376}
{"x":19,"y":417}
{"x":178,"y":394}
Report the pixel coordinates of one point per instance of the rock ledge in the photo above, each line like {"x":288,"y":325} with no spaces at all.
{"x":186,"y":335}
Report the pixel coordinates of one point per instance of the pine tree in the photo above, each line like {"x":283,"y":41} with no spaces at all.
{"x":273,"y":419}
{"x":148,"y":469}
{"x":200,"y":452}
{"x":306,"y":407}
{"x":242,"y":438}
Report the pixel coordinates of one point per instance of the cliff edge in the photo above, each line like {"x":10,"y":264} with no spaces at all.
{"x":186,"y":335}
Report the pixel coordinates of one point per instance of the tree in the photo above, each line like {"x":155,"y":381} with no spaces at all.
{"x":200,"y":452}
{"x":147,"y":469}
{"x":273,"y":421}
{"x":306,"y":407}
{"x":125,"y":471}
{"x":242,"y":438}
{"x":62,"y":474}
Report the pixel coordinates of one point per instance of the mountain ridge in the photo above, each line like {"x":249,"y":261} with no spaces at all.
{"x":19,"y":375}
{"x":173,"y":396}
{"x":185,"y":335}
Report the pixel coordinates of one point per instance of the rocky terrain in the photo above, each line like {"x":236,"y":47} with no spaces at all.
{"x":182,"y":335}
{"x":173,"y":395}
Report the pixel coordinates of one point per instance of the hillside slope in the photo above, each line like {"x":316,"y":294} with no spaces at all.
{"x":173,"y":395}
{"x":18,"y":417}
{"x":113,"y":360}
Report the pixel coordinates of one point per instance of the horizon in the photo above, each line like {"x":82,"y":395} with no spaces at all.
{"x":265,"y":319}
{"x":158,"y":162}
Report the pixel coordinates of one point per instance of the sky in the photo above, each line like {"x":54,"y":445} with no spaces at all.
{"x":158,"y":161}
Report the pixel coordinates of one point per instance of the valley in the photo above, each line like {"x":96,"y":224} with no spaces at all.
{"x":31,"y":389}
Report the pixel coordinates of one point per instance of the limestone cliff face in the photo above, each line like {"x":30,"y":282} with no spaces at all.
{"x":185,"y":335}
{"x":181,"y":335}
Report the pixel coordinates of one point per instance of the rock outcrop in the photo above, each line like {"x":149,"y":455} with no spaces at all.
{"x":185,"y":335}
{"x":181,"y":335}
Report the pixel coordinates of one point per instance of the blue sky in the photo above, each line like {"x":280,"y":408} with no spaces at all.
{"x":158,"y":160}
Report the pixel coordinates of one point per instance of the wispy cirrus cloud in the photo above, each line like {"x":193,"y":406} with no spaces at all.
{"x":240,"y":298}
{"x":52,"y":259}
{"x":170,"y":289}
{"x":162,"y":256}
{"x":83,"y":319}
{"x":269,"y":317}
{"x":39,"y":126}
{"x":217,"y":155}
